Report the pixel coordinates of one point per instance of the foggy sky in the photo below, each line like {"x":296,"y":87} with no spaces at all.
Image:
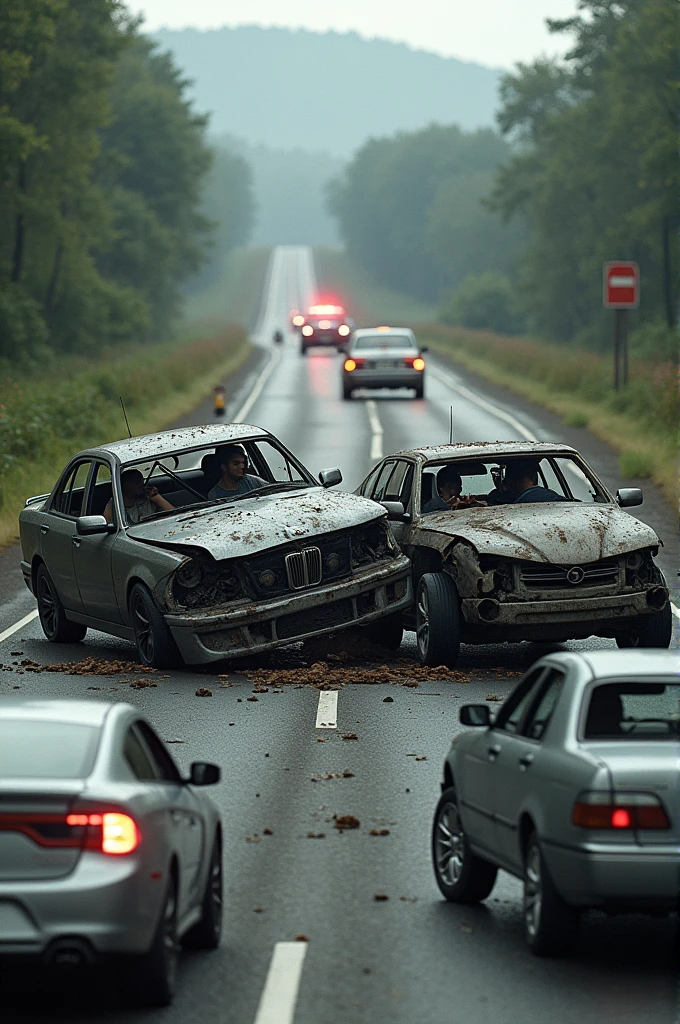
{"x":493,"y":32}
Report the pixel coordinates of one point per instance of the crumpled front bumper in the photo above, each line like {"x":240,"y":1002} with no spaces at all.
{"x":204,"y":635}
{"x":579,"y":611}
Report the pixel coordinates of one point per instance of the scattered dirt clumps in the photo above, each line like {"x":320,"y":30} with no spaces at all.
{"x":346,"y":821}
{"x":89,"y":667}
{"x":203,"y":692}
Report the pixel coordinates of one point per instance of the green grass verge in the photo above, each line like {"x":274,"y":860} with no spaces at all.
{"x":45,"y":419}
{"x":639,"y":421}
{"x":369,"y":303}
{"x":233,"y":295}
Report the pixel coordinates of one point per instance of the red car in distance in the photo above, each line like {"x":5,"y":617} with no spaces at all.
{"x":324,"y":324}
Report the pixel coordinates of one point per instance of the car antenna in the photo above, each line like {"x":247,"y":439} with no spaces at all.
{"x":450,"y":423}
{"x":122,"y":405}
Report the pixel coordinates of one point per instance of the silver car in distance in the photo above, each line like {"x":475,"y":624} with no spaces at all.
{"x":383,"y":357}
{"x":106,"y":852}
{"x":572,"y":787}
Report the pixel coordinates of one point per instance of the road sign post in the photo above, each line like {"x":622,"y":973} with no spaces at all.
{"x":621,"y":292}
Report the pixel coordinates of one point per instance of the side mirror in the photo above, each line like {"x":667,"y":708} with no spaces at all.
{"x":330,"y":477}
{"x":475,"y":715}
{"x":425,"y":348}
{"x":202,"y":773}
{"x":626,"y":497}
{"x":87,"y":525}
{"x":395,"y":511}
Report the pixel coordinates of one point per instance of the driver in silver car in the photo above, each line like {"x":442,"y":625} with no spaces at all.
{"x":234,"y":480}
{"x":139,"y":501}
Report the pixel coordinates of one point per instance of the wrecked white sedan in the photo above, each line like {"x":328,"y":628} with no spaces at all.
{"x":519,"y":541}
{"x":206,"y":543}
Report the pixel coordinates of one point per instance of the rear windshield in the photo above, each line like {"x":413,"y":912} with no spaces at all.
{"x":46,"y":750}
{"x":634,"y":711}
{"x":384,"y":341}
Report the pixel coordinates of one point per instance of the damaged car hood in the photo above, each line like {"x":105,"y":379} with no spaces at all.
{"x":555,"y":532}
{"x":232,"y":529}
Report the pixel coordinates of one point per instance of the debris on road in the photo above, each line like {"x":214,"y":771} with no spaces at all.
{"x":301,"y":938}
{"x":379,"y":832}
{"x":316,"y":835}
{"x":492,"y":696}
{"x":141,"y":684}
{"x":251,"y":698}
{"x":203,"y":692}
{"x":350,"y":736}
{"x":258,"y":910}
{"x":89,"y":667}
{"x":346,"y":774}
{"x":380,"y":897}
{"x":175,"y":741}
{"x":388,"y":700}
{"x":346,"y":821}
{"x":253,"y":839}
{"x":267,"y":832}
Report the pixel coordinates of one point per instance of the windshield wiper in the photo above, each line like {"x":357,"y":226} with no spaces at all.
{"x":281,"y":485}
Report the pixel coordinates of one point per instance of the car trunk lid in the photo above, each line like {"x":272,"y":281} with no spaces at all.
{"x":645,"y":767}
{"x":36,"y":843}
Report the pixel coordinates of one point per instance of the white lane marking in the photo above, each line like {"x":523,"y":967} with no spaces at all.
{"x":273,"y":362}
{"x":376,"y":430}
{"x":18,"y":625}
{"x":279,"y":996}
{"x":675,"y":610}
{"x":327,"y":711}
{"x":445,"y":378}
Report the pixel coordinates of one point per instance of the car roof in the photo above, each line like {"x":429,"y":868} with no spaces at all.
{"x":386,"y":331}
{"x":168,"y":441}
{"x":81,"y":712}
{"x":648,"y":662}
{"x":486,"y":449}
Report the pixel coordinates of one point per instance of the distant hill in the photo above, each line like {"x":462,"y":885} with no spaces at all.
{"x":325,"y":92}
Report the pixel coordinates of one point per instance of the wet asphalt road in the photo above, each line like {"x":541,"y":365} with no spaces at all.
{"x":410,"y":959}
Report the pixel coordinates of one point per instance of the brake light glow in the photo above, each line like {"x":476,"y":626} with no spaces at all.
{"x":620,"y":810}
{"x":350,"y":365}
{"x":298,"y":320}
{"x":343,"y":330}
{"x":307,"y":330}
{"x":120,"y":834}
{"x":383,"y":327}
{"x":419,"y":363}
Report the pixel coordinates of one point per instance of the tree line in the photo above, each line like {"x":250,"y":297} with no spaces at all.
{"x":103,"y":167}
{"x":514,"y":227}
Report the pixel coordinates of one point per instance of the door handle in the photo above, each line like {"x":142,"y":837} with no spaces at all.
{"x":76,"y":541}
{"x":494,"y":751}
{"x":177,"y":817}
{"x":526,"y":761}
{"x":44,"y":528}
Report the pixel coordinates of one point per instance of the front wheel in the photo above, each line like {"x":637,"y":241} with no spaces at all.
{"x":55,"y":625}
{"x":155,"y":643}
{"x":550,"y":924}
{"x":653,"y":630}
{"x":438,"y":620}
{"x":462,"y":877}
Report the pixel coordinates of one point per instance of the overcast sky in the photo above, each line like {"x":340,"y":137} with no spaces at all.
{"x":495,"y":32}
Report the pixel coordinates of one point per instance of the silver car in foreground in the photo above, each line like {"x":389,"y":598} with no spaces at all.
{"x":106,"y":852}
{"x":383,"y":357}
{"x":573,"y":787}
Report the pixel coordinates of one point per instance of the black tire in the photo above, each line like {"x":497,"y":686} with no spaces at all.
{"x":155,"y":643}
{"x":438,"y":620}
{"x":55,"y":625}
{"x":150,"y":979}
{"x":462,"y":877}
{"x":420,"y":391}
{"x":346,"y":394}
{"x":303,"y":350}
{"x":387,"y":632}
{"x":206,"y":933}
{"x":652,"y":630}
{"x":550,"y":925}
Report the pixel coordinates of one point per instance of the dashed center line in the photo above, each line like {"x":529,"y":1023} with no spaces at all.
{"x":327,"y":711}
{"x":279,"y":996}
{"x":376,"y":430}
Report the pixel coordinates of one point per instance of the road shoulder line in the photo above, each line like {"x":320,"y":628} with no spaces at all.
{"x":279,"y":996}
{"x":7,"y":633}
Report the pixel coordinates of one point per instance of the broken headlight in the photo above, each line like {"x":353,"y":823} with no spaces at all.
{"x":189,"y":574}
{"x":372,"y":542}
{"x":202,"y":582}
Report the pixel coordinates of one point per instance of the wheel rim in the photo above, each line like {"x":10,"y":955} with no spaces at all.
{"x":422,"y":621}
{"x":533,"y":892}
{"x":47,"y":607}
{"x":142,"y":628}
{"x":449,"y":845}
{"x":216,"y":889}
{"x":170,"y":947}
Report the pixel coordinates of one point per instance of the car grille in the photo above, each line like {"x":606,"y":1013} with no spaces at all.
{"x":304,"y":568}
{"x":539,"y":576}
{"x":337,"y":614}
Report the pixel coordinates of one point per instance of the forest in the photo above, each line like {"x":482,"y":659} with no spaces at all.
{"x":509,"y":230}
{"x":105,"y":179}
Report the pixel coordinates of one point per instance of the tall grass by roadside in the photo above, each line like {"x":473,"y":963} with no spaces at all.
{"x":640,"y":421}
{"x":234,"y":294}
{"x":47,"y":417}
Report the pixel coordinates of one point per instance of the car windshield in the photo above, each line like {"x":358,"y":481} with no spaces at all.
{"x":634,"y":711}
{"x":386,"y":341}
{"x":46,"y":750}
{"x":502,"y":481}
{"x":187,"y":479}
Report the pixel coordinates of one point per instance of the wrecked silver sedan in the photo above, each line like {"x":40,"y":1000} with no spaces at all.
{"x":152,"y":540}
{"x":519,"y":541}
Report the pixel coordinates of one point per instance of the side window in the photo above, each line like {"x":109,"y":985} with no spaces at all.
{"x":166,"y":768}
{"x":100,"y":490}
{"x":578,"y":483}
{"x":512,"y":712}
{"x":69,"y":497}
{"x":137,"y":757}
{"x":399,"y":484}
{"x":367,"y":485}
{"x":381,"y":483}
{"x":549,"y":477}
{"x":266,"y":456}
{"x":540,"y":715}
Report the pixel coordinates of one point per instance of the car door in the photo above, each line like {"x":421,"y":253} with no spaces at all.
{"x":525,"y":767}
{"x":398,"y":488}
{"x":187,"y":807}
{"x":92,"y":555}
{"x":483,"y":762}
{"x":58,"y":533}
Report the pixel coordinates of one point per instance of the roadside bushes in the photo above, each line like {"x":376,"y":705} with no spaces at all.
{"x":483,"y":302}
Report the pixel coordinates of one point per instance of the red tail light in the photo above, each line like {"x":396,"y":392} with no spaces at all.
{"x":620,"y":810}
{"x":109,"y":832}
{"x":414,"y":362}
{"x":353,"y":364}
